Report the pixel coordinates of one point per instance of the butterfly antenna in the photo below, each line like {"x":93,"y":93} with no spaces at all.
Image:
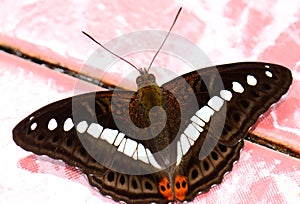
{"x":121,"y":58}
{"x":165,"y":38}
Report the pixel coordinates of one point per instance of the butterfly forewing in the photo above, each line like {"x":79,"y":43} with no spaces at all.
{"x":208,"y":112}
{"x":60,"y":142}
{"x":251,"y":88}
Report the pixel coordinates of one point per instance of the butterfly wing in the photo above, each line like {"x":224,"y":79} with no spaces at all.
{"x":69,"y":130}
{"x":201,"y":174}
{"x":61,"y":140}
{"x":220,"y":104}
{"x":246,"y":90}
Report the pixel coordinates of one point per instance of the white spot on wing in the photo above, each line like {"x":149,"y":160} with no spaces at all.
{"x":33,"y":126}
{"x":142,"y":156}
{"x":82,"y":126}
{"x":237,"y":87}
{"x":52,"y":124}
{"x":130,"y":147}
{"x":268,"y":74}
{"x":109,"y":134}
{"x":251,"y":80}
{"x":198,"y":121}
{"x":152,"y":159}
{"x":95,"y":130}
{"x":205,"y":113}
{"x":185,"y":145}
{"x":119,"y":139}
{"x":226,"y":95}
{"x":112,"y":138}
{"x":68,"y":124}
{"x":191,"y":132}
{"x":179,"y":153}
{"x":216,"y":103}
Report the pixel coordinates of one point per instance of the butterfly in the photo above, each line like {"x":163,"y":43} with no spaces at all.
{"x":160,"y":143}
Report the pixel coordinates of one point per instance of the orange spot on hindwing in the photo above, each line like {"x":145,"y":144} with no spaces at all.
{"x":181,"y":187}
{"x":165,"y":189}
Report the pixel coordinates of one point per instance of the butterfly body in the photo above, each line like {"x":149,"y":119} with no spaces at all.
{"x":149,"y":95}
{"x":161,"y":143}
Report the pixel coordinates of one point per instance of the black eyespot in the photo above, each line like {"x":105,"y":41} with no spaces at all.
{"x":162,"y":188}
{"x":206,"y":166}
{"x":183,"y":184}
{"x":69,"y":142}
{"x":215,"y":156}
{"x":194,"y":174}
{"x":134,"y":184}
{"x":111,"y":177}
{"x":122,"y":180}
{"x":82,"y":151}
{"x":148,"y":186}
{"x":177,"y":185}
{"x":168,"y":186}
{"x":222,"y":148}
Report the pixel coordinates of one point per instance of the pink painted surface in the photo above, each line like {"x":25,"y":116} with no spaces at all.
{"x":229,"y":31}
{"x":260,"y":176}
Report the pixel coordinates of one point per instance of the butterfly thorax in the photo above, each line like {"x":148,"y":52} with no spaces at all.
{"x":149,"y":93}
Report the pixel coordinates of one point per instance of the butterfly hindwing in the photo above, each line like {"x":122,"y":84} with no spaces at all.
{"x":129,"y":188}
{"x":201,"y":174}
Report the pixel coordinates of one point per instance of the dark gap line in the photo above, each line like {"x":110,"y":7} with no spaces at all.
{"x":64,"y":70}
{"x":57,"y":68}
{"x":272,"y":145}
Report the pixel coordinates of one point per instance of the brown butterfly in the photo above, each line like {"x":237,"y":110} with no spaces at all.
{"x":178,"y":139}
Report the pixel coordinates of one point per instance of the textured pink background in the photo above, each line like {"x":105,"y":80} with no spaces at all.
{"x":228,"y":31}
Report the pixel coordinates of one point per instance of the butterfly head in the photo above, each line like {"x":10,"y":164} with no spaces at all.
{"x":145,"y":79}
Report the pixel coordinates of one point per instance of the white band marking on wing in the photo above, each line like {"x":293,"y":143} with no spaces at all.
{"x":119,"y":139}
{"x":82,"y":126}
{"x":216,"y":103}
{"x":142,"y":155}
{"x":95,"y":130}
{"x":130,"y":147}
{"x":152,"y":159}
{"x":68,"y":124}
{"x":205,"y":113}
